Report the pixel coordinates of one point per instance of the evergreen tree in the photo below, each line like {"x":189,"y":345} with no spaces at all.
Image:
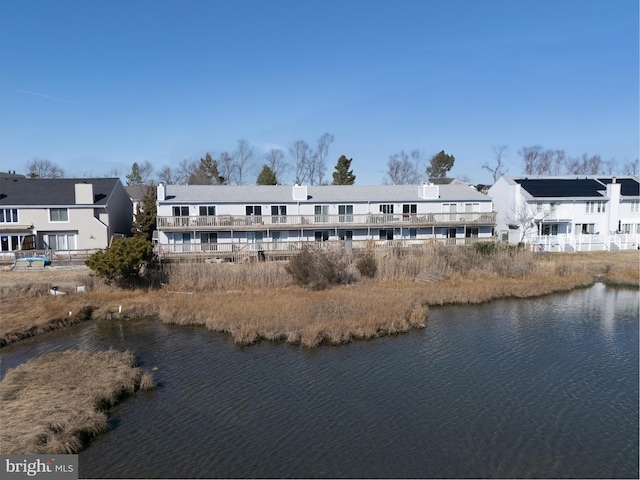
{"x":134,"y":178}
{"x":126,"y":262}
{"x":267,"y":177}
{"x":140,"y":174}
{"x":206,"y":173}
{"x":145,"y":221}
{"x":441,"y":163}
{"x":342,"y":175}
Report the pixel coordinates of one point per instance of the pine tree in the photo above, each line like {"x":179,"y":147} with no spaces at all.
{"x":342,"y":175}
{"x":267,"y":177}
{"x":145,"y":221}
{"x":441,"y":163}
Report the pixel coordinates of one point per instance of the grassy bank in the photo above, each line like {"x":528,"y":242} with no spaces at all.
{"x":258,"y":301}
{"x":56,"y":403}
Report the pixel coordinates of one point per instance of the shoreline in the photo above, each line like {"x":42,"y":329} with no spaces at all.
{"x":364,"y":310}
{"x":367,"y":309}
{"x":57,"y":403}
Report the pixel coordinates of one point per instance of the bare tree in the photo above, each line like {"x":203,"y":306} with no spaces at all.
{"x":167,"y":176}
{"x":43,"y":168}
{"x":525,"y":218}
{"x":631,"y":167}
{"x":275,"y":161}
{"x":228,"y":168}
{"x":558,"y":162}
{"x":530,"y":158}
{"x":498,"y":154}
{"x":317,"y":163}
{"x":610,"y":167}
{"x":585,"y":165}
{"x":301,"y":156}
{"x":185,"y":169}
{"x":115,"y":172}
{"x":243,"y":157}
{"x":403,"y":169}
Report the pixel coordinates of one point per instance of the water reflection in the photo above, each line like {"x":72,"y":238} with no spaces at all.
{"x":516,"y":388}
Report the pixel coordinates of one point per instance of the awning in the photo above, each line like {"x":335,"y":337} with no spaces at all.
{"x":23,"y":229}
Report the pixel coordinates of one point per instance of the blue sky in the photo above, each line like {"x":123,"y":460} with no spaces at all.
{"x":97,"y":85}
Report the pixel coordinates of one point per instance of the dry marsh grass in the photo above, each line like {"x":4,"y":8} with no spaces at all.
{"x":258,"y":301}
{"x":56,"y":403}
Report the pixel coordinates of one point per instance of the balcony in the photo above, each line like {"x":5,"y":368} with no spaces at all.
{"x":284,"y":249}
{"x":273,"y":222}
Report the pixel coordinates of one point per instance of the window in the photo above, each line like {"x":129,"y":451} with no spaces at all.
{"x":183,"y":237}
{"x":596,"y":207}
{"x":345,"y":213}
{"x":208,"y":237}
{"x":550,"y":229}
{"x":62,"y":241}
{"x":471,"y":232}
{"x":321,"y":213}
{"x":635,"y":206}
{"x":345,"y":235}
{"x":585,"y":228}
{"x":207,"y":210}
{"x":279,"y":213}
{"x":255,"y":237}
{"x":253,"y":210}
{"x":279,"y":239}
{"x":10,"y":243}
{"x":58,"y":215}
{"x":471,"y":207}
{"x":8,"y":215}
{"x":386,"y":234}
{"x":180,"y":211}
{"x":321,"y":235}
{"x":451,"y":209}
{"x":386,"y":208}
{"x":630,"y":228}
{"x":409,"y":210}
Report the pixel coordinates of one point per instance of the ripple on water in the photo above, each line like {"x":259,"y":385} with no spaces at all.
{"x":527,"y":388}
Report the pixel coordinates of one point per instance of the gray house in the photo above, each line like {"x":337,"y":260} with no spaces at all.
{"x":62,"y":214}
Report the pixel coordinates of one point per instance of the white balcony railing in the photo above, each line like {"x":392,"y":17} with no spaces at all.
{"x":255,"y":222}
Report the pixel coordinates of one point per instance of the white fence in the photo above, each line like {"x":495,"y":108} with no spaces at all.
{"x":583,"y":243}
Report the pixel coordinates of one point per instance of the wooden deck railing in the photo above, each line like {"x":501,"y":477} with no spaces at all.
{"x":286,"y":248}
{"x":261,"y":222}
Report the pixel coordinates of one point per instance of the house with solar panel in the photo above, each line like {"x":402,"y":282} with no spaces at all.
{"x":568,"y":213}
{"x":274,"y":221}
{"x":61,"y":216}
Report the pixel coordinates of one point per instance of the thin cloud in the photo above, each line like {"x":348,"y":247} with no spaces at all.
{"x":27,"y":92}
{"x":158,"y":28}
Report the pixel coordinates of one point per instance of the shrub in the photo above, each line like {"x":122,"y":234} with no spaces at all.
{"x":128,"y":262}
{"x":317,"y":270}
{"x":485,"y":248}
{"x":367,"y":265}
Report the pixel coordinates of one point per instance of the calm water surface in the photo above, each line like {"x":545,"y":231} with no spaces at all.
{"x":516,"y":388}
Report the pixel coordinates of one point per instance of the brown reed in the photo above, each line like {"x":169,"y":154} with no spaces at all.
{"x":258,"y":301}
{"x":58,"y":402}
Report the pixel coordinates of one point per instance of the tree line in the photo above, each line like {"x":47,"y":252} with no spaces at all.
{"x":307,"y":165}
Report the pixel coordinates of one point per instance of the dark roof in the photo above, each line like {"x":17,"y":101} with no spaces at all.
{"x":137,"y":192}
{"x":629,"y":187}
{"x":554,"y":187}
{"x":52,"y":191}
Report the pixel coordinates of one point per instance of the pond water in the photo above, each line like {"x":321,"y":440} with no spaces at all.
{"x":530,"y":388}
